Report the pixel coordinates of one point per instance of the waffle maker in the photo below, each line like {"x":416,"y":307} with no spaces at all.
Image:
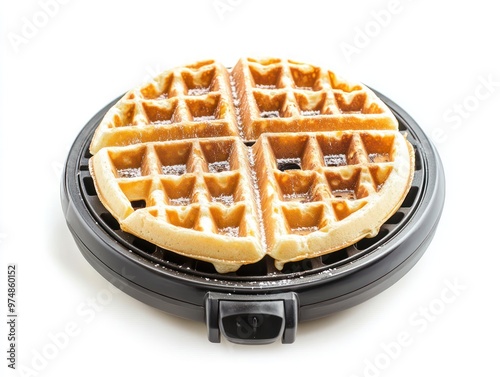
{"x":257,"y":304}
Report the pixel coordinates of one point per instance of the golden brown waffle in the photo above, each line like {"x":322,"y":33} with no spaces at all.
{"x":321,"y":192}
{"x":185,"y":102}
{"x":267,"y":95}
{"x":194,"y":197}
{"x":280,"y":95}
{"x":273,"y":157}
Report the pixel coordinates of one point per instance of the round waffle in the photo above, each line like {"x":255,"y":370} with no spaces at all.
{"x":273,"y":157}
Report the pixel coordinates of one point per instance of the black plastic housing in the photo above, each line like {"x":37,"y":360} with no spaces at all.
{"x":257,"y":304}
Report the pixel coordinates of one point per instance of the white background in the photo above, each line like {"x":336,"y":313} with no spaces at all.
{"x":62,"y":62}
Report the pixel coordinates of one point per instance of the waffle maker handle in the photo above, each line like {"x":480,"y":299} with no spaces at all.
{"x":252,"y":319}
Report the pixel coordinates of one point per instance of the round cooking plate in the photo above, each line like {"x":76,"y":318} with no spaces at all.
{"x":256,"y":304}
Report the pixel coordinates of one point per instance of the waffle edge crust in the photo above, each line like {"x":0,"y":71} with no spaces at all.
{"x":273,"y":157}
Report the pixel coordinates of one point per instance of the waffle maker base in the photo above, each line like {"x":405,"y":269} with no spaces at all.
{"x":257,"y":304}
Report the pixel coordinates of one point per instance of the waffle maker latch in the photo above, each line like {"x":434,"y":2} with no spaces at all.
{"x":252,"y":319}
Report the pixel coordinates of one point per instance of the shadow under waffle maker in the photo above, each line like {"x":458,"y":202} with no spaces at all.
{"x":256,"y":304}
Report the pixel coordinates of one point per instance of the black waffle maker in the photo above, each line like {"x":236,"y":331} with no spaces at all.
{"x":257,"y":304}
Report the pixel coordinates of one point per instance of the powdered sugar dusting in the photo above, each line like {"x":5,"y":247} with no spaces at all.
{"x":129,"y":173}
{"x":204,"y":118}
{"x":162,"y":122}
{"x":309,"y":113}
{"x":227,"y":200}
{"x":231,"y":231}
{"x":303,"y":230}
{"x":251,"y":161}
{"x":270,"y":114}
{"x":262,"y":86}
{"x":219,"y":166}
{"x":335,"y":160}
{"x":180,"y":201}
{"x":198,"y":91}
{"x":236,"y":103}
{"x":302,"y":197}
{"x":173,"y":169}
